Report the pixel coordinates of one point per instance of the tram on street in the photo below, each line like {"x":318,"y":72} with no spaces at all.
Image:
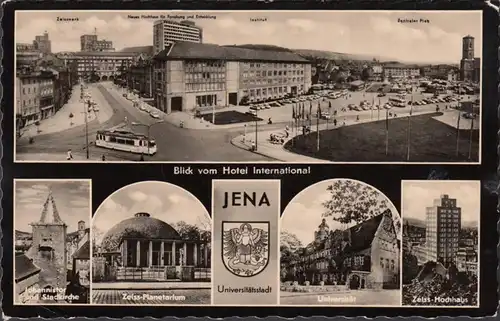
{"x":125,"y":141}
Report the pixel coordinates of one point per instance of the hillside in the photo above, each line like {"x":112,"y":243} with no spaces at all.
{"x":261,"y":47}
{"x":414,"y":222}
{"x":330,"y":55}
{"x":21,"y":234}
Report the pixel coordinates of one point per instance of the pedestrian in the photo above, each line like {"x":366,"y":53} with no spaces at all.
{"x":335,"y":122}
{"x":126,"y":119}
{"x":69,"y":155}
{"x":103,"y":158}
{"x":142,"y":158}
{"x":357,"y":117}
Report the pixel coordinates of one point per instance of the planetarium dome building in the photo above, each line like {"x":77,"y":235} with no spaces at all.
{"x":145,"y":241}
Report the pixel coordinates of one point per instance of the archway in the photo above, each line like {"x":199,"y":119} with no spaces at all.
{"x":111,"y":78}
{"x":363,"y":285}
{"x":104,"y":78}
{"x":354,"y":282}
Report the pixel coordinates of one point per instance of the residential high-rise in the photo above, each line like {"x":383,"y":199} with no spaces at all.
{"x":166,"y":32}
{"x":443,"y":224}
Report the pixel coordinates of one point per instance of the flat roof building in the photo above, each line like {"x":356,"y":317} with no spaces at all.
{"x":189,"y":76}
{"x":167,"y":31}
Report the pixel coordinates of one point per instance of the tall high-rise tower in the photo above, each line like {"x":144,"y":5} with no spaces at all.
{"x":48,"y":249}
{"x":443,"y":224}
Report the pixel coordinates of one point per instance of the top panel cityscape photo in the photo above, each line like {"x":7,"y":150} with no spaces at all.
{"x":248,"y":86}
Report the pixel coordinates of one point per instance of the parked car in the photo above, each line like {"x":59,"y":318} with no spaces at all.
{"x":96,"y":109}
{"x":252,"y":112}
{"x":325,"y":115}
{"x":154,"y":114}
{"x":469,"y":115}
{"x":381,"y":95}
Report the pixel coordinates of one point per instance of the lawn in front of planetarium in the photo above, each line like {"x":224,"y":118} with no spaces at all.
{"x":230,"y":117}
{"x":362,"y":297}
{"x":431,"y":141}
{"x":126,"y":296}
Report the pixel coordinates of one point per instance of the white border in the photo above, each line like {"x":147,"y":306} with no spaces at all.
{"x":400,"y":251}
{"x":478,"y":182}
{"x":278,"y":252}
{"x":271,"y":161}
{"x":14,"y":303}
{"x":149,"y":304}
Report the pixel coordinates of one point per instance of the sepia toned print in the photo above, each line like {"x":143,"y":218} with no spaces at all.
{"x":441,"y":243}
{"x":248,"y":86}
{"x":340,"y":245}
{"x":52,"y":242}
{"x":151,"y":246}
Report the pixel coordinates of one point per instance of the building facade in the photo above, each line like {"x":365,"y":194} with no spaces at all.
{"x":166,"y":32}
{"x":89,"y":43}
{"x":443,"y":224}
{"x":146,"y":244}
{"x":192,"y":76}
{"x":365,"y":256}
{"x":99,"y":65}
{"x":470,"y":66}
{"x":397,"y":71}
{"x":27,"y":278}
{"x":34,"y":100}
{"x":139,"y":77}
{"x":43,"y":44}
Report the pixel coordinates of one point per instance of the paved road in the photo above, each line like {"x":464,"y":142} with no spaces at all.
{"x":174,"y":143}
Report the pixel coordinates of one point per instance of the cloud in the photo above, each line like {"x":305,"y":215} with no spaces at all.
{"x":80,"y":202}
{"x":304,"y":25}
{"x":138,"y":196}
{"x":226,"y":23}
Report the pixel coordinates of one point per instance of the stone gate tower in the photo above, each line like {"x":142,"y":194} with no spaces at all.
{"x":467,"y":62}
{"x":48,"y":250}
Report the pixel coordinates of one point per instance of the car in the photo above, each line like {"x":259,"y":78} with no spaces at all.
{"x":154,"y":114}
{"x":96,"y":109}
{"x":254,"y":107}
{"x":325,"y":115}
{"x":351,"y":106}
{"x":124,"y":95}
{"x":381,"y":94}
{"x":469,"y":115}
{"x":387,"y":106}
{"x":141,"y":107}
{"x":252,"y":112}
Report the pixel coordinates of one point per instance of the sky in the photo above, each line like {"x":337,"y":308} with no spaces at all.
{"x":303,"y":214}
{"x":164,"y":201}
{"x":417,"y":195}
{"x":376,"y":33}
{"x":72,"y":200}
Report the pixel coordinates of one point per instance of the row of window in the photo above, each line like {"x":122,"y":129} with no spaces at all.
{"x":206,"y":100}
{"x":273,"y":81}
{"x":388,"y":265}
{"x":205,"y":63}
{"x":205,"y":87}
{"x":271,"y":73}
{"x":205,"y":76}
{"x":33,"y":81}
{"x":271,"y":65}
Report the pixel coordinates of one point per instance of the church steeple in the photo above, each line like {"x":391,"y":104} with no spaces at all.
{"x":50,"y":212}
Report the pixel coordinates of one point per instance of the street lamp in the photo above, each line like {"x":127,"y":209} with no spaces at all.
{"x":148,"y":127}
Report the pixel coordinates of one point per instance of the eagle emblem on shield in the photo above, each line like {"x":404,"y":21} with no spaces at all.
{"x":245,"y":247}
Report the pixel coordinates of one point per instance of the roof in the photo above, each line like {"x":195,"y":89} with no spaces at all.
{"x":141,"y":226}
{"x":76,"y":233}
{"x":83,"y":253}
{"x":362,"y":235}
{"x":24,"y":267}
{"x":193,"y":50}
{"x":99,"y":53}
{"x":398,"y":65}
{"x":139,"y":49}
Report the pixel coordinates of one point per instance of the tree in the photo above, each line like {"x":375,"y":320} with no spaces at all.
{"x":192,"y":232}
{"x":244,"y":100}
{"x":351,"y":201}
{"x":366,"y":73}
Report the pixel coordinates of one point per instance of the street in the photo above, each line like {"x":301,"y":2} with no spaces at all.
{"x":174,"y":143}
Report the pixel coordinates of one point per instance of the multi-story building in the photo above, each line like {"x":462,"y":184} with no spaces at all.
{"x":166,"y":32}
{"x":443,"y":223}
{"x":92,"y":43}
{"x":190,"y":75}
{"x":470,"y":66}
{"x":33,"y":96}
{"x":365,"y":256}
{"x":401,"y":71}
{"x":42,"y":43}
{"x":99,"y":65}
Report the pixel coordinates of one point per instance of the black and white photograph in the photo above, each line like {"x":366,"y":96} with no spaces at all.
{"x":441,"y":243}
{"x":151,"y":245}
{"x":340,"y":245}
{"x":52,"y":242}
{"x":248,"y":86}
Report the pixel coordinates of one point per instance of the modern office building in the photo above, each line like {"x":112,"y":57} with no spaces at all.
{"x":92,"y":43}
{"x":42,"y":43}
{"x":166,"y":32}
{"x":443,"y":224}
{"x":99,"y":65}
{"x":189,"y":76}
{"x":470,"y":66}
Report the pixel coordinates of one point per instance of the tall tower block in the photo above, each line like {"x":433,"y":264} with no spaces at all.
{"x":48,"y":249}
{"x":468,"y":47}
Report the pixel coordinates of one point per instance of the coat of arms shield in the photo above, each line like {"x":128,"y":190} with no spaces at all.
{"x":245,"y":247}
